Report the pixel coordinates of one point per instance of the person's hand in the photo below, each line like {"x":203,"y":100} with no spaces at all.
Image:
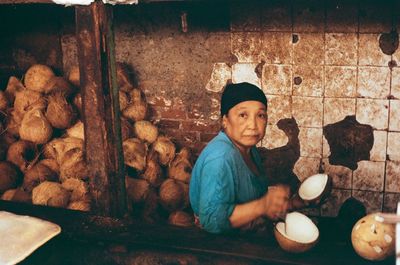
{"x":276,"y":201}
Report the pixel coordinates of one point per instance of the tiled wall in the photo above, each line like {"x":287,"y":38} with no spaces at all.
{"x":317,"y":61}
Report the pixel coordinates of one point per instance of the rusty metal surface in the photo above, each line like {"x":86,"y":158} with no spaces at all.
{"x":100,"y":108}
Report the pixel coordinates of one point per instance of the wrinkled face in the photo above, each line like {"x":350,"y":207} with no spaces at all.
{"x":245,"y":123}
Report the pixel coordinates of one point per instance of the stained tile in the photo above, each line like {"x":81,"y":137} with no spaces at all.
{"x":336,"y":109}
{"x":309,"y":49}
{"x":310,"y":142}
{"x":341,"y":176}
{"x":370,"y":53}
{"x":393,"y":150}
{"x":245,"y":16}
{"x":308,"y":16}
{"x":369,"y":176}
{"x":373,"y":112}
{"x":372,"y":200}
{"x":276,"y":15}
{"x":374,"y":82}
{"x":341,"y":48}
{"x":391,"y":201}
{"x":274,"y":137}
{"x":394,"y":115}
{"x":395,"y":91}
{"x":392,"y":183}
{"x":246,"y":46}
{"x":341,"y":16}
{"x":308,"y":81}
{"x":336,"y":199}
{"x":378,"y":151}
{"x":375,"y":17}
{"x":340,"y":81}
{"x":277,"y":79}
{"x":245,"y":72}
{"x":277,"y":47}
{"x":279,"y":107}
{"x":219,"y":77}
{"x":306,"y":167}
{"x":307,"y":111}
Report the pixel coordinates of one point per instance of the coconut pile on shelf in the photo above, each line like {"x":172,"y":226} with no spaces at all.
{"x":42,"y":149}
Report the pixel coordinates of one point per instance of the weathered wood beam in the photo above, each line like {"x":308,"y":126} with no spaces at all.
{"x":103,"y":144}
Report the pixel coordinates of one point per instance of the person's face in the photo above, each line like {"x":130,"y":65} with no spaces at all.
{"x":245,"y":123}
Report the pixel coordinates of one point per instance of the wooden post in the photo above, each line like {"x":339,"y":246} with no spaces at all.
{"x":101,"y":117}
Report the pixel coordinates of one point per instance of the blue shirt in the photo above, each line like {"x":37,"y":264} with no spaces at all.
{"x":220,"y":180}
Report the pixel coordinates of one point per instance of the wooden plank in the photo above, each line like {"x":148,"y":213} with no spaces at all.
{"x":100,"y":106}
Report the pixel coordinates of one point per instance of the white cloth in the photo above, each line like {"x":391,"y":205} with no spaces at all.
{"x":73,"y":2}
{"x":21,"y":235}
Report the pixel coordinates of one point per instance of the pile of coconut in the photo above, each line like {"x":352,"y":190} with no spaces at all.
{"x":42,"y":148}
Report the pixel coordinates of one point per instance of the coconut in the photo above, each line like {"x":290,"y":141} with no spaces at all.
{"x":59,"y":112}
{"x":150,"y":213}
{"x":57,"y":148}
{"x":123,"y":100}
{"x":51,"y":163}
{"x":126,"y":129}
{"x":78,"y":188}
{"x":22,"y":154}
{"x":35,"y":127}
{"x":37,"y":174}
{"x":297,"y":234}
{"x":372,"y":239}
{"x":180,"y":168}
{"x":73,"y":165}
{"x":3,"y":148}
{"x":10,"y":176}
{"x":181,"y":218}
{"x":77,"y":131}
{"x":172,"y":195}
{"x":135,"y":153}
{"x":26,"y":100}
{"x":8,"y":195}
{"x":58,"y":84}
{"x":316,"y":188}
{"x":136,"y":111}
{"x":145,"y":131}
{"x":136,"y":95}
{"x":79,"y":206}
{"x":165,"y":149}
{"x":37,"y":77}
{"x":3,"y":101}
{"x":13,"y":86}
{"x":153,"y":173}
{"x":137,"y":189}
{"x":73,"y":75}
{"x":14,"y":120}
{"x":124,"y":82}
{"x":8,"y":139}
{"x":50,"y":194}
{"x":21,"y":195}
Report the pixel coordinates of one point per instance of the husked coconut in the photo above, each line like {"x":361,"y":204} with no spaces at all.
{"x":137,"y":189}
{"x":180,"y":168}
{"x":3,"y":148}
{"x":3,"y":101}
{"x":37,"y":174}
{"x":79,"y":189}
{"x":137,"y":96}
{"x":79,"y":206}
{"x":150,"y":213}
{"x":13,"y":86}
{"x":14,"y":120}
{"x":372,"y":239}
{"x":22,"y":154}
{"x":8,"y":138}
{"x":51,"y":163}
{"x":22,"y":195}
{"x":26,"y":100}
{"x":73,"y":165}
{"x":297,"y":234}
{"x":136,"y":111}
{"x":126,"y":129}
{"x":123,"y":100}
{"x":58,"y":84}
{"x":77,"y":131}
{"x":124,"y":81}
{"x":50,"y":194}
{"x":145,"y":131}
{"x":8,"y":195}
{"x":135,"y":153}
{"x":60,"y":113}
{"x":181,"y":218}
{"x":57,"y":147}
{"x":10,"y":176}
{"x":37,"y":77}
{"x":74,"y":75}
{"x":153,"y":172}
{"x":165,"y":149}
{"x":35,"y":127}
{"x":172,"y":195}
{"x":316,"y":188}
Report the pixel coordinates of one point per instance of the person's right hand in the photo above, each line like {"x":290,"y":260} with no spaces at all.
{"x":276,"y":201}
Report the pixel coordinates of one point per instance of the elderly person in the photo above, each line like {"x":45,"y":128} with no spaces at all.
{"x":228,"y":187}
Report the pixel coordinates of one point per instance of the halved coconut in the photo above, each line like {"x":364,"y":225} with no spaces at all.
{"x":297,"y":234}
{"x":315,"y":188}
